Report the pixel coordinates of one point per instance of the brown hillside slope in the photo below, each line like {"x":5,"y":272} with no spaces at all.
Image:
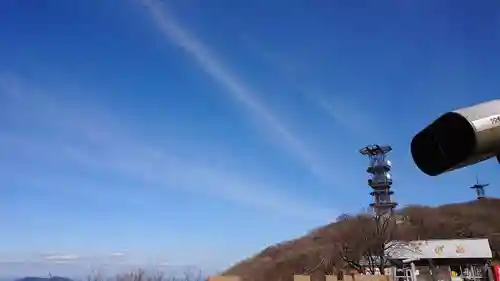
{"x":303,"y":255}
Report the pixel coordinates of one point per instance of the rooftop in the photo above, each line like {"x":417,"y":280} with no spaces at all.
{"x":375,"y":149}
{"x":440,"y":249}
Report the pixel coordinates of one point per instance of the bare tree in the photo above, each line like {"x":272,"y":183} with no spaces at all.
{"x":351,"y":241}
{"x":96,"y":275}
{"x":364,"y":242}
{"x":142,"y":275}
{"x":343,"y":217}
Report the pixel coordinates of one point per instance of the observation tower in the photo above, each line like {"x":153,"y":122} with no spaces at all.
{"x":480,"y":194}
{"x":380,"y":178}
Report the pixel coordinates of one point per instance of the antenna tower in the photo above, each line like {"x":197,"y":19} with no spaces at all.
{"x":380,"y":179}
{"x":480,"y":194}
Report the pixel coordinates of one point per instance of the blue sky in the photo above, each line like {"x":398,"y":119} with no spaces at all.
{"x":174,"y":133}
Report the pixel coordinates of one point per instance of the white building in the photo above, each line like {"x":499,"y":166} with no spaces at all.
{"x":440,"y":260}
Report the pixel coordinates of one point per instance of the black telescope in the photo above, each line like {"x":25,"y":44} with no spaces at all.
{"x":458,"y":139}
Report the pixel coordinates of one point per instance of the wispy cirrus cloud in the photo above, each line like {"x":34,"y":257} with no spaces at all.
{"x":20,"y":258}
{"x":61,"y":136}
{"x":73,"y":265}
{"x":61,"y":259}
{"x":118,"y":254}
{"x":342,"y":111}
{"x":235,"y":88}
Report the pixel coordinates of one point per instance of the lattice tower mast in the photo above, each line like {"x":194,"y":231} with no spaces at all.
{"x":380,"y":180}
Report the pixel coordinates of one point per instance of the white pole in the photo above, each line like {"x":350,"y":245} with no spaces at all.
{"x":413,"y":271}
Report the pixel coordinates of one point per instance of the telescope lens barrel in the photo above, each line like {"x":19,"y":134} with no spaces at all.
{"x":444,"y":144}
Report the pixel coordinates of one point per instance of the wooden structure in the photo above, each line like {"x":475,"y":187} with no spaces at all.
{"x":308,"y":278}
{"x":442,"y":260}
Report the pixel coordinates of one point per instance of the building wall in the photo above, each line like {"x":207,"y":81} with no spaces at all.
{"x":468,"y":269}
{"x":441,"y":273}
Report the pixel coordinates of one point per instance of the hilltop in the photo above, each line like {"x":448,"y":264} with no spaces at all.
{"x":314,"y":253}
{"x":53,"y":278}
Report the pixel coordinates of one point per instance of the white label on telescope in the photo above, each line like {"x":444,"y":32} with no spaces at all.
{"x":487,"y":123}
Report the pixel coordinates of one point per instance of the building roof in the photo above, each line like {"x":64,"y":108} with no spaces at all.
{"x":439,"y":249}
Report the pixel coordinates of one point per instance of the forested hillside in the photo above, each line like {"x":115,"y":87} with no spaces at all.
{"x":322,"y":250}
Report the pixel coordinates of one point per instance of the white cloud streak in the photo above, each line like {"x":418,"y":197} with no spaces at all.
{"x":60,"y":258}
{"x":346,"y":115}
{"x":72,"y":138}
{"x":341,"y":111}
{"x":236,"y":90}
{"x":97,"y":264}
{"x":118,"y":254}
{"x":73,"y":265}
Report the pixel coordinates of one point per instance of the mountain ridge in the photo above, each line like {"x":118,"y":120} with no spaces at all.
{"x":52,"y":278}
{"x":473,"y":219}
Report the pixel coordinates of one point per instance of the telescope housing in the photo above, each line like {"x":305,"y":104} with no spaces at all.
{"x":458,"y":139}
